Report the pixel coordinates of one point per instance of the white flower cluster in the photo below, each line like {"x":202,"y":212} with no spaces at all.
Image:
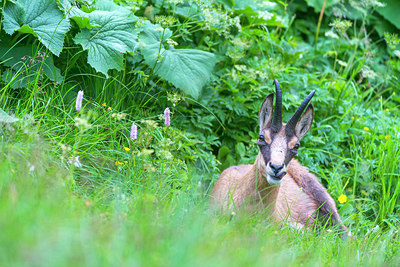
{"x":341,"y":63}
{"x":265,"y":15}
{"x":171,"y":42}
{"x":220,"y":21}
{"x":266,"y":4}
{"x":166,"y":21}
{"x":331,"y":34}
{"x":249,"y":73}
{"x":368,"y":73}
{"x":82,"y":123}
{"x":341,"y":25}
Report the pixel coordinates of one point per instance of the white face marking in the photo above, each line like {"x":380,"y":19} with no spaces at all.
{"x":273,"y":181}
{"x":278,"y":154}
{"x":278,"y":149}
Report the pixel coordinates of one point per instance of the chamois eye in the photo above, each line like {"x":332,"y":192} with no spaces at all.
{"x":261,"y":138}
{"x":296,"y":147}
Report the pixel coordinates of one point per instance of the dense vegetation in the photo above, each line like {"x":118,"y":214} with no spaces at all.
{"x":76,"y":185}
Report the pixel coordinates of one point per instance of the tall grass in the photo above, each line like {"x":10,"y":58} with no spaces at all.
{"x":45,"y":223}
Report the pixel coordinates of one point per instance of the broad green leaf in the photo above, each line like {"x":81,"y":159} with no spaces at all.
{"x":151,"y":46}
{"x":239,"y":4}
{"x":227,"y":3}
{"x":317,"y":4}
{"x":187,"y":69}
{"x":107,"y":43}
{"x":14,"y":15}
{"x":109,"y":5}
{"x":5,"y":118}
{"x":72,"y":12}
{"x":26,"y":61}
{"x":391,"y":12}
{"x":188,"y":10}
{"x":382,"y":25}
{"x":41,"y":17}
{"x":245,"y":3}
{"x":82,"y":18}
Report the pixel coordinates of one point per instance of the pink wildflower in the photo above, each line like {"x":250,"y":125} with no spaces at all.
{"x":167,"y":116}
{"x":133,"y":132}
{"x":79,"y":100}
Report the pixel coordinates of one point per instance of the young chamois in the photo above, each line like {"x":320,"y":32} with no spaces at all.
{"x":276,"y":180}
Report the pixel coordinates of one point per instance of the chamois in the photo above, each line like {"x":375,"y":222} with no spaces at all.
{"x":276,"y":180}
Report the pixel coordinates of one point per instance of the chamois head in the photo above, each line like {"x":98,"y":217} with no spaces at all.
{"x":279,"y":142}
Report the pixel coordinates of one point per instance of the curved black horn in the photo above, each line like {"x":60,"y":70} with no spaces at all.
{"x":296,"y":116}
{"x":277,"y":120}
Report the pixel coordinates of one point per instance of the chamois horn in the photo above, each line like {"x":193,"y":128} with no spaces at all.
{"x":277,"y":120}
{"x":296,"y":116}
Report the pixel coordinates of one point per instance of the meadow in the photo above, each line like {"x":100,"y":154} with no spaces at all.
{"x":170,"y":95}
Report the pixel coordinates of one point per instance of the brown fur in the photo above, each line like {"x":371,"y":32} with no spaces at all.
{"x":242,"y":184}
{"x":292,"y":142}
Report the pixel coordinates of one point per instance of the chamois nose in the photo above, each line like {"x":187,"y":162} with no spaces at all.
{"x":276,"y":168}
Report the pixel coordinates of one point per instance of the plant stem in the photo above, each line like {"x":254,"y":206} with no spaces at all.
{"x":321,"y":15}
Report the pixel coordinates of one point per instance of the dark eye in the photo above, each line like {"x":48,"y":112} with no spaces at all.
{"x":296,"y":146}
{"x":261,"y":138}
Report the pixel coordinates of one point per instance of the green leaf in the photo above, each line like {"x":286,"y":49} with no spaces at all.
{"x":5,"y":118}
{"x":154,"y":33}
{"x":269,"y":18}
{"x":227,"y":3}
{"x":188,"y":10}
{"x":26,"y":29}
{"x":187,"y":69}
{"x":82,"y":18}
{"x":109,"y":5}
{"x":72,"y":12}
{"x":317,"y":4}
{"x":25,"y":61}
{"x":245,"y":3}
{"x":40,"y":17}
{"x":151,"y":38}
{"x":382,"y":25}
{"x":239,"y":4}
{"x":14,"y":15}
{"x":391,"y":12}
{"x":107,"y":43}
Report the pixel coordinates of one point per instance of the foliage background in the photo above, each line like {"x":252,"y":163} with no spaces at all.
{"x":212,"y":63}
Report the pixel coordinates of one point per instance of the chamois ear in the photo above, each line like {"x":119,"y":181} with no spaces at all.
{"x":305,"y":122}
{"x":265,"y":114}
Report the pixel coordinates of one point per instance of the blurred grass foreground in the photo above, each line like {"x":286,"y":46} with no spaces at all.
{"x":49,"y":220}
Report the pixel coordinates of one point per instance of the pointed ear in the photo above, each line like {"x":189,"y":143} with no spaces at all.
{"x":265,"y":114}
{"x":305,"y":122}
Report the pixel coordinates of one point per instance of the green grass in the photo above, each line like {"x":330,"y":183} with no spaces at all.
{"x":46,"y":219}
{"x":145,"y":202}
